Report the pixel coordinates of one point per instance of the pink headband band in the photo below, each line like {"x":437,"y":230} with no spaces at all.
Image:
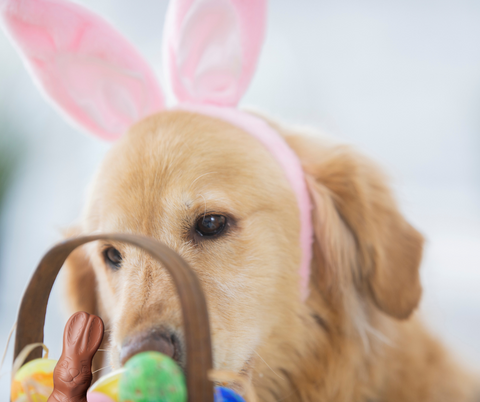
{"x":290,"y":164}
{"x":98,"y":80}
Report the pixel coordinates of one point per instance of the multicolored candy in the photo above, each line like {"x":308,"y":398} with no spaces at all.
{"x":152,"y":377}
{"x":33,"y":382}
{"x":223,"y":394}
{"x":105,"y":387}
{"x":98,"y":397}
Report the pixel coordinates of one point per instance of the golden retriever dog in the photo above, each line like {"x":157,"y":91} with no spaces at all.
{"x":215,"y":195}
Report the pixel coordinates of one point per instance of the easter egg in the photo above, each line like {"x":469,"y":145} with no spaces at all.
{"x":107,"y":386}
{"x":223,"y":394}
{"x":97,"y":397}
{"x":33,"y":382}
{"x":152,"y":377}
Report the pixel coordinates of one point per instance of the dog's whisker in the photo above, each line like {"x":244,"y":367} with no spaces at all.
{"x":193,"y":182}
{"x":100,"y":369}
{"x":273,"y":371}
{"x":205,"y":212}
{"x":285,"y":397}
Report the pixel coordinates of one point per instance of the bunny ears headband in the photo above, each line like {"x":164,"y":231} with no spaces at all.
{"x":98,"y":80}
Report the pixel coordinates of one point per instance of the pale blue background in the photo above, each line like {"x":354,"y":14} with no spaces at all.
{"x":398,"y":79}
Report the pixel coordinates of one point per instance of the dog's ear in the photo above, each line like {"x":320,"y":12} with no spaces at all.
{"x":80,"y":286}
{"x":360,"y":234}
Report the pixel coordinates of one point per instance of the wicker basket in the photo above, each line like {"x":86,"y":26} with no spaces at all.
{"x":31,"y":316}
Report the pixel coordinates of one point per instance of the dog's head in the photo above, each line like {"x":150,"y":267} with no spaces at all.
{"x":226,"y":207}
{"x":211,"y":191}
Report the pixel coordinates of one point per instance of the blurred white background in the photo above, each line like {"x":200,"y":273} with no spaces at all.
{"x":398,"y":79}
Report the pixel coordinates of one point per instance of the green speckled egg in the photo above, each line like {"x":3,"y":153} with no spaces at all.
{"x":152,"y":377}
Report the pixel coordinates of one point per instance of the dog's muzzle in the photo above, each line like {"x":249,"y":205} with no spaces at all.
{"x":158,"y":340}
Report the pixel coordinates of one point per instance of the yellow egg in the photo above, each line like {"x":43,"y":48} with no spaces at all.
{"x":108,"y":385}
{"x":33,"y":382}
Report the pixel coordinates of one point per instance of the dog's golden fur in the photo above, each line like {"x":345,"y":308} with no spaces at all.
{"x":355,"y":339}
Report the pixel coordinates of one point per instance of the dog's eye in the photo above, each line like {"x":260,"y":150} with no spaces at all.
{"x":113,"y":257}
{"x":211,"y":225}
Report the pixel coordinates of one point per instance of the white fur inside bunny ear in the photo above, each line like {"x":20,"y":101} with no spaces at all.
{"x":212,"y":48}
{"x":93,"y":74}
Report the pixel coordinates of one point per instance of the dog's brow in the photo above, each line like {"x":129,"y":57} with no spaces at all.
{"x":193,"y":182}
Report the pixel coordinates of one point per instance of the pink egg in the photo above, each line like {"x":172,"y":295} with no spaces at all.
{"x":98,"y":397}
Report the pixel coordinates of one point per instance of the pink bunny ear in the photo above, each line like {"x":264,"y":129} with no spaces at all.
{"x":83,"y":64}
{"x":212,"y":47}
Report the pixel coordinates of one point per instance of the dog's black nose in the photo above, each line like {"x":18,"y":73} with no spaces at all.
{"x":156,"y":340}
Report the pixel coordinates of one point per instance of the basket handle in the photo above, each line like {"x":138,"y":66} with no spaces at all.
{"x":31,"y":316}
